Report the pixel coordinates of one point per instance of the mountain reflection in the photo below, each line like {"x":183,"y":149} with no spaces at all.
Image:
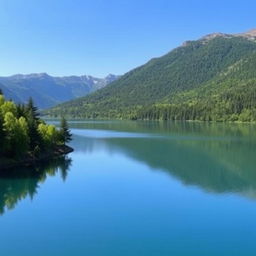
{"x":216,"y":158}
{"x":17,"y":184}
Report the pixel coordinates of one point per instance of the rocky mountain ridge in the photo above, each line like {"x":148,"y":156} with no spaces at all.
{"x":47,"y":90}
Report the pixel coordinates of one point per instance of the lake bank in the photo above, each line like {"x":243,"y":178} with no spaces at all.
{"x":97,"y":119}
{"x":29,"y":160}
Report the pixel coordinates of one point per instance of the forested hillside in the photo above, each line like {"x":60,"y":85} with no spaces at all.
{"x":212,"y":78}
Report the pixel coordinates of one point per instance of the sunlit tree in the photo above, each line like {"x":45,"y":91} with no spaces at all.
{"x":22,"y":132}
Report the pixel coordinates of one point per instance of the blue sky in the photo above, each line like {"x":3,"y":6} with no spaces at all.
{"x":74,"y":37}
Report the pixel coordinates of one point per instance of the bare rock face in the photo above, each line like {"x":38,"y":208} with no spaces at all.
{"x":213,"y":35}
{"x":205,"y":39}
{"x":250,"y":33}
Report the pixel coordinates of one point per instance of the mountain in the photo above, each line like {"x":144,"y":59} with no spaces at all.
{"x":47,"y":90}
{"x":212,"y":78}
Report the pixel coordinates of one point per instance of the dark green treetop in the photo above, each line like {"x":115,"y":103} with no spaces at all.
{"x":65,"y":133}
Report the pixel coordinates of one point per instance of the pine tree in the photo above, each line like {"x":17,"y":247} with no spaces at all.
{"x":32,"y":110}
{"x":1,"y":134}
{"x":65,"y":133}
{"x":21,"y":110}
{"x":32,"y":117}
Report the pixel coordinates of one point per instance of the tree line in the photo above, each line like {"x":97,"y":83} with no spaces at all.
{"x":23,"y":133}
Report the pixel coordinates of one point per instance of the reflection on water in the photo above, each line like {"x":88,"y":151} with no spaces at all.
{"x":138,"y":188}
{"x":218,"y":158}
{"x":17,"y":184}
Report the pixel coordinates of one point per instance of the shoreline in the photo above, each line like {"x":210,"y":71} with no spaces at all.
{"x":151,"y":120}
{"x":33,"y":161}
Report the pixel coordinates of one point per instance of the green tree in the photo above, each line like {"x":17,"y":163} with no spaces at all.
{"x":35,"y":138}
{"x":50,"y":135}
{"x":65,"y":134}
{"x":22,"y":132}
{"x":21,"y":110}
{"x":8,"y":106}
{"x":33,"y":121}
{"x":1,"y":100}
{"x":22,"y":138}
{"x":17,"y":139}
{"x":32,"y":110}
{"x":1,"y":133}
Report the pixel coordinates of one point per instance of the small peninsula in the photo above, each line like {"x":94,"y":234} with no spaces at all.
{"x":25,"y":139}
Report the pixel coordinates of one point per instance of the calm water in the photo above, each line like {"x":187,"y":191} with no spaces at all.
{"x":137,"y":189}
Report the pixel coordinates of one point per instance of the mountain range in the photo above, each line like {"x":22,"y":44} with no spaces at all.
{"x":213,"y":79}
{"x":47,"y":90}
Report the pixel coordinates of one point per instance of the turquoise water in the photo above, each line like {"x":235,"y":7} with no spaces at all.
{"x":137,"y":189}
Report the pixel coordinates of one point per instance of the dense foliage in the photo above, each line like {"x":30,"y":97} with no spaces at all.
{"x":23,"y":133}
{"x":203,"y":80}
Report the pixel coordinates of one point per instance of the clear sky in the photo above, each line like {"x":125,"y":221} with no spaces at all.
{"x":97,"y":37}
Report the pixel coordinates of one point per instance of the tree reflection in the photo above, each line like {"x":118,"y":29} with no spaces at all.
{"x":219,"y":158}
{"x":17,"y":184}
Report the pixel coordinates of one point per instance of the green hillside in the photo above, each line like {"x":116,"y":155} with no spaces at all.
{"x":212,"y":78}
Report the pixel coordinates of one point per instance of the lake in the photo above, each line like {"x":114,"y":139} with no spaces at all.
{"x":138,"y":189}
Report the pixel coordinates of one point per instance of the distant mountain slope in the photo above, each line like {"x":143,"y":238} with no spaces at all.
{"x":213,"y":78}
{"x":47,"y":90}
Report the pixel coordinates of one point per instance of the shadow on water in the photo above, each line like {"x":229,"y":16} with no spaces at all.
{"x":17,"y":184}
{"x":219,"y":158}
